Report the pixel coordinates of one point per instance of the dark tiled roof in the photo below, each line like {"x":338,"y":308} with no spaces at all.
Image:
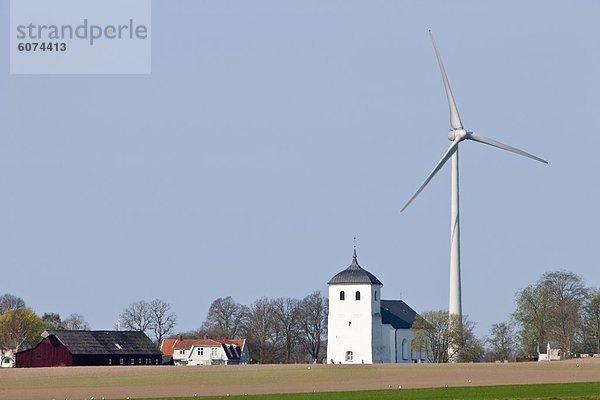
{"x":355,"y":274}
{"x":105,"y":342}
{"x":397,"y":313}
{"x":232,"y":351}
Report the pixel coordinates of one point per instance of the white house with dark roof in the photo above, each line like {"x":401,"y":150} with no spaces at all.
{"x":206,"y":351}
{"x":363,"y":328}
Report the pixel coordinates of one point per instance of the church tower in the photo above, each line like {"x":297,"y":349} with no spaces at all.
{"x":354,"y":320}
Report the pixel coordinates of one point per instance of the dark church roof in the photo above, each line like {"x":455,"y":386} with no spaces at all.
{"x":354,"y":274}
{"x":105,"y":342}
{"x":397,"y":313}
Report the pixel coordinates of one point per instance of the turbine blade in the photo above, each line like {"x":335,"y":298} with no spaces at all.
{"x":482,"y":139}
{"x":439,"y":165}
{"x":454,"y":117}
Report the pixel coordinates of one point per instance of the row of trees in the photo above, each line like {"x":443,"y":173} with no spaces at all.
{"x":20,"y":326}
{"x":558,"y":309}
{"x":280,"y":330}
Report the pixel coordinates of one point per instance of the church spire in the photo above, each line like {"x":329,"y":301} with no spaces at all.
{"x":354,"y":264}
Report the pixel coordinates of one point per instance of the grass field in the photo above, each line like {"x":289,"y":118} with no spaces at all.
{"x":418,"y":381}
{"x":545,"y":391}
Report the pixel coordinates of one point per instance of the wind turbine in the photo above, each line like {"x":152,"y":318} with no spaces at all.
{"x":458,"y":134}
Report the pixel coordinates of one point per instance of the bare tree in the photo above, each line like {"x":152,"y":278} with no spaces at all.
{"x":568,"y":297}
{"x":501,"y":341}
{"x":470,"y":347}
{"x":52,"y":321}
{"x":313,"y":324}
{"x":154,"y":316}
{"x":287,"y":312}
{"x":163,"y":321}
{"x":443,"y":338}
{"x":432,"y":332}
{"x":10,"y":302}
{"x":137,"y":317}
{"x":226,"y":318}
{"x":76,"y":322}
{"x":263,"y":335}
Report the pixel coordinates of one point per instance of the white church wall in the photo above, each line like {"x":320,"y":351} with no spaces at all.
{"x":350,"y":324}
{"x":403,"y":351}
{"x":388,"y":332}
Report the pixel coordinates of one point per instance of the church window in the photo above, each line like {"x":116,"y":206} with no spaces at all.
{"x":342,"y":295}
{"x":375,"y":298}
{"x":200,"y":351}
{"x":357,"y":295}
{"x":349,"y":356}
{"x":404,"y":349}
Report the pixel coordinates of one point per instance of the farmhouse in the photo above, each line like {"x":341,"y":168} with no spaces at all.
{"x":363,"y":328}
{"x":77,"y":348}
{"x":206,"y":351}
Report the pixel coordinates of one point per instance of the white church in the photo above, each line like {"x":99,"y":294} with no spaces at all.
{"x":363,"y":328}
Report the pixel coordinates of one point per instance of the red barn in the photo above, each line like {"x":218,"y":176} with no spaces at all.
{"x":71,"y":348}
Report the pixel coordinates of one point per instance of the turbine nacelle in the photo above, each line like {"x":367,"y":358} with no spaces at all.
{"x":459,"y":133}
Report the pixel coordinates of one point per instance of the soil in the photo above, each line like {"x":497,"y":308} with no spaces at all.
{"x":164,"y":381}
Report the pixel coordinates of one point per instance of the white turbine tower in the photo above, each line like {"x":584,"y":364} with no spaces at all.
{"x":457,"y":134}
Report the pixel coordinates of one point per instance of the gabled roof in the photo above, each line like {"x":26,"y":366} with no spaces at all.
{"x":105,"y":342}
{"x":354,"y":274}
{"x":543,"y":347}
{"x":232,"y":351}
{"x":189,"y":343}
{"x":398,"y":314}
{"x":233,"y":342}
{"x":232,"y":347}
{"x":168,"y":346}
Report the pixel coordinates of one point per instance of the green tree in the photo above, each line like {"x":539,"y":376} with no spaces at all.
{"x":592,"y":321}
{"x":551,"y":310}
{"x":20,"y":328}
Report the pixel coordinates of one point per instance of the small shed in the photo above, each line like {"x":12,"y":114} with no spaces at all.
{"x":85,"y":348}
{"x":548,"y":352}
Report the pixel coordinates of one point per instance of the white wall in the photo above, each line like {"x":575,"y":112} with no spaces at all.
{"x":351,"y":326}
{"x":209,"y":355}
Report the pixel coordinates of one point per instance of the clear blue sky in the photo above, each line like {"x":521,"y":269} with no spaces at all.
{"x":270,"y":133}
